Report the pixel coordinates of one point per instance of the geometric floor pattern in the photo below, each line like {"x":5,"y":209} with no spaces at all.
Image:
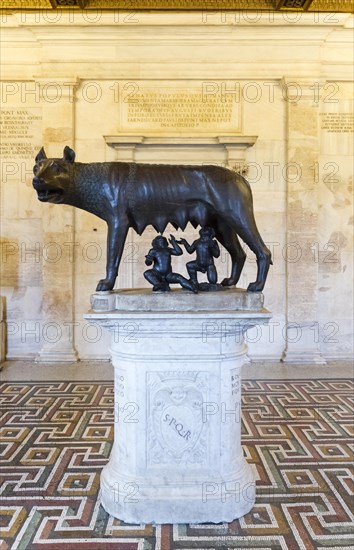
{"x":57,"y":436}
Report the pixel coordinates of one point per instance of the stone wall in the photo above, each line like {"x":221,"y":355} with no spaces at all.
{"x":271,"y":97}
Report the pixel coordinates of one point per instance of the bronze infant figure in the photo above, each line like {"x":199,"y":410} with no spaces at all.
{"x":207,"y":249}
{"x":128,"y":194}
{"x":161,"y":274}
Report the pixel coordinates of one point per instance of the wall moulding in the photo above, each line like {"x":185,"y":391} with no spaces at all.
{"x":234,"y":141}
{"x":233,"y":148}
{"x":216,"y":21}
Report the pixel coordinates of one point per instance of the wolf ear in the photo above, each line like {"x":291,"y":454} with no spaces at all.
{"x":69,"y":154}
{"x":41,"y":155}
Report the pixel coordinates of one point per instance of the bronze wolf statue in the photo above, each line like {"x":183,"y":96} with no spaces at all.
{"x":128,"y":194}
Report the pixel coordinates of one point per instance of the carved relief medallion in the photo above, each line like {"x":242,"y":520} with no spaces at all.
{"x":176,"y":432}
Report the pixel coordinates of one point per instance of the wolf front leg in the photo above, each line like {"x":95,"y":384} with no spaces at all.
{"x":117,"y":234}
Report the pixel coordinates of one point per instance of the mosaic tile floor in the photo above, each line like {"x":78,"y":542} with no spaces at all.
{"x":57,"y":436}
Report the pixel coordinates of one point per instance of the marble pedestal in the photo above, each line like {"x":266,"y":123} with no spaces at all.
{"x":177,"y":357}
{"x":2,"y":332}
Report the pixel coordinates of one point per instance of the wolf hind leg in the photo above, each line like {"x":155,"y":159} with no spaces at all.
{"x":229,"y":240}
{"x":251,"y":236}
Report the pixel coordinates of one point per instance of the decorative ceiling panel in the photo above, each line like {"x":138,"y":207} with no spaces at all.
{"x":69,"y":3}
{"x":292,"y":4}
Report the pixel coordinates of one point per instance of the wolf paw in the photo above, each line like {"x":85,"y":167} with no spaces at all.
{"x":255,"y":287}
{"x":105,"y":284}
{"x":228,"y":282}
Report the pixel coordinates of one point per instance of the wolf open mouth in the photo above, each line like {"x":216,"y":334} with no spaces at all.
{"x":49,"y":195}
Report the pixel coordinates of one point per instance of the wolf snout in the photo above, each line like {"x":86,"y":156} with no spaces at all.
{"x":37,"y":182}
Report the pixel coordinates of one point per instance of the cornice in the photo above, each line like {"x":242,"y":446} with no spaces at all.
{"x":181,"y":20}
{"x":168,"y":5}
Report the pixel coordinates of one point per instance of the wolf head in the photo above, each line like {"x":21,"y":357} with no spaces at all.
{"x":53,"y":177}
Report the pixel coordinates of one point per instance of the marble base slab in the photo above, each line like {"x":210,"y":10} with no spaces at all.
{"x":51,"y":354}
{"x":177,"y":300}
{"x":177,"y":358}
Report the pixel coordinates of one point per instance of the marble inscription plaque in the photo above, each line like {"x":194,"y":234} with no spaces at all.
{"x":206,"y":108}
{"x":235,"y":382}
{"x":124,"y":414}
{"x":337,"y":122}
{"x":21,"y":132}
